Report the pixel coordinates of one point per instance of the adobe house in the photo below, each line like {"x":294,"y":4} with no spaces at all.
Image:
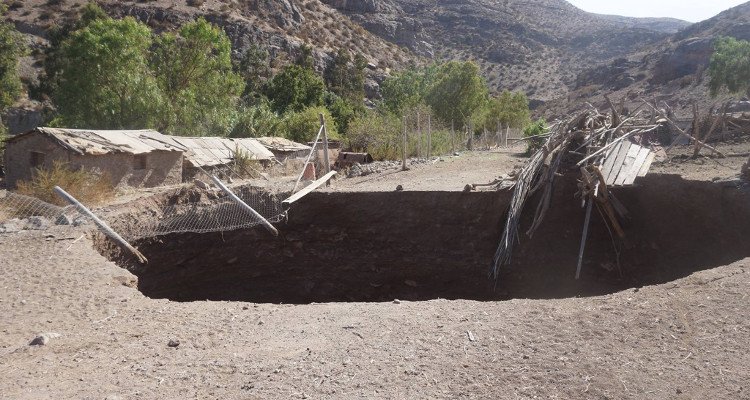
{"x":131,"y":158}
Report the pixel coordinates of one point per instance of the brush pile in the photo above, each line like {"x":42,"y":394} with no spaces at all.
{"x":597,"y":145}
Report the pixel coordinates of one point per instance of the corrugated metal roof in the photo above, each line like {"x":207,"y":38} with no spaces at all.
{"x":95,"y":142}
{"x":282,"y":144}
{"x":213,"y":151}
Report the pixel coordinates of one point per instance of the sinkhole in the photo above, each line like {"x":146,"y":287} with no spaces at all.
{"x":380,"y":246}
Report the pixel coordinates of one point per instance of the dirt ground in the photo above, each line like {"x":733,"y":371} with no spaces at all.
{"x":685,"y":339}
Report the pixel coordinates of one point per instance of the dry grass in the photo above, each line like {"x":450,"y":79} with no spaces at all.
{"x":88,"y":187}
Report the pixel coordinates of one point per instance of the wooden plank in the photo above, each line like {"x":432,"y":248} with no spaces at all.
{"x":610,"y":160}
{"x":316,"y":184}
{"x":618,"y":163}
{"x":647,"y":164}
{"x":639,"y":160}
{"x":627,"y":164}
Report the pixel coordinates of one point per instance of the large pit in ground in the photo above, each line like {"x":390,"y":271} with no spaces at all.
{"x":426,"y":245}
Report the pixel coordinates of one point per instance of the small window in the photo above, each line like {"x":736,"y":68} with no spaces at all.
{"x":140,"y":162}
{"x":37,"y":159}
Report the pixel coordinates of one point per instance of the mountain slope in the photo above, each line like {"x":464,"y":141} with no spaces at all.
{"x":537,"y":46}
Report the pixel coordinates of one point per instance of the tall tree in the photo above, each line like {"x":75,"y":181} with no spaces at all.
{"x":346,"y":77}
{"x":510,"y":109}
{"x":11,"y":49}
{"x":104,"y":80}
{"x":730,"y":66}
{"x":457,"y":92}
{"x":194,"y":72}
{"x":56,"y":35}
{"x":255,"y":70}
{"x":295,"y":88}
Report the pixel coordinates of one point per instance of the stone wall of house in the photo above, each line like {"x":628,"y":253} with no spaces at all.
{"x":125,"y":170}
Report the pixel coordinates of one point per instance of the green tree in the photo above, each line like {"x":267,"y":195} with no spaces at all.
{"x":305,"y":57}
{"x":11,"y":49}
{"x":295,"y":88}
{"x":730,"y":66}
{"x":458,"y":91}
{"x":302,"y":126}
{"x":509,"y":109}
{"x":408,"y":88}
{"x":105,"y":81}
{"x":341,"y":110}
{"x":258,"y":121}
{"x":56,"y":35}
{"x":346,"y":77}
{"x":255,"y":70}
{"x":194,"y":72}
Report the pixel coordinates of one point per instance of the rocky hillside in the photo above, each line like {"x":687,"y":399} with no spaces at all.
{"x":672,"y":70}
{"x":538,"y":46}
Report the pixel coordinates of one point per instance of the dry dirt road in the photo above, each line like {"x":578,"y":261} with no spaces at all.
{"x":686,"y":339}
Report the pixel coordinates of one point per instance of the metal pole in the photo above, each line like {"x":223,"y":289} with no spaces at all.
{"x":101,"y":224}
{"x":244,"y":205}
{"x":327,"y":161}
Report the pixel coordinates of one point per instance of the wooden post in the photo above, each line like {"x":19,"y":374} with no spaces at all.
{"x":507,"y":133}
{"x":429,"y":135}
{"x":101,"y":224}
{"x":403,"y":148}
{"x":419,"y":136}
{"x":453,"y":138}
{"x":327,"y":161}
{"x":583,"y":238}
{"x":246,"y":207}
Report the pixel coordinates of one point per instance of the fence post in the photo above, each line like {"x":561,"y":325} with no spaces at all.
{"x":419,"y":136}
{"x":327,"y":161}
{"x":453,"y":137}
{"x":507,"y":133}
{"x":429,"y":135}
{"x":101,"y":224}
{"x":403,"y":149}
{"x":244,"y":205}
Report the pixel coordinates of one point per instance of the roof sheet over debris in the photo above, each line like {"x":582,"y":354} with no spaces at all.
{"x":97,"y":142}
{"x":213,"y":151}
{"x":282,"y":144}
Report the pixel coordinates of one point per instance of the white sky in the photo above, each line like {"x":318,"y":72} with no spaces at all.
{"x":688,"y":10}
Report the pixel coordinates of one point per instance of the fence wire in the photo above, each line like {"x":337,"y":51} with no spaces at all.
{"x":190,"y":209}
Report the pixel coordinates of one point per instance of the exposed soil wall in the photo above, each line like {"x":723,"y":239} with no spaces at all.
{"x":426,"y":245}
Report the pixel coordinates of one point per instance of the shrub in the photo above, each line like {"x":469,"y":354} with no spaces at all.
{"x":532,"y":131}
{"x":257,"y":121}
{"x":88,"y":187}
{"x":302,"y":126}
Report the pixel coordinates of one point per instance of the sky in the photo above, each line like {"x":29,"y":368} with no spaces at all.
{"x":688,"y":10}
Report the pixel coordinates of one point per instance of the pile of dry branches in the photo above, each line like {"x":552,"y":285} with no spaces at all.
{"x":582,"y":143}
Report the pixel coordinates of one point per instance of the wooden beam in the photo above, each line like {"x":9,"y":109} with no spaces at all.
{"x":302,"y":193}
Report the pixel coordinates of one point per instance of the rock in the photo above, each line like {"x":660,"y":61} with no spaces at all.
{"x":37,"y":223}
{"x":43,"y":339}
{"x":399,"y":188}
{"x":11,"y":226}
{"x":173,"y":343}
{"x":396,"y":301}
{"x":201,"y":184}
{"x":64,"y":220}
